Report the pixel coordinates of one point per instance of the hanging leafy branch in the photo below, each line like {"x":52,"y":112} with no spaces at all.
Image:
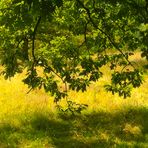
{"x":70,"y":41}
{"x":105,"y":33}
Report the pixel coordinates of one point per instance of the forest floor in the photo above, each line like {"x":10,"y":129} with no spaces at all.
{"x":33,"y":121}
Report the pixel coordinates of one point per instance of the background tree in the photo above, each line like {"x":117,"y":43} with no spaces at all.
{"x":71,"y":40}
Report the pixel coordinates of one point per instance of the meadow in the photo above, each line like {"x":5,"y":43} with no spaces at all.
{"x":32,"y":120}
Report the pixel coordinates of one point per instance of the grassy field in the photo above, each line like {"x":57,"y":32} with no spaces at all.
{"x":32,"y":120}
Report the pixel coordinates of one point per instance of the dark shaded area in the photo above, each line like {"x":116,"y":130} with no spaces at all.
{"x":80,"y":131}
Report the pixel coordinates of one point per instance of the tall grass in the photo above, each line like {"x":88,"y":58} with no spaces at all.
{"x":32,"y":120}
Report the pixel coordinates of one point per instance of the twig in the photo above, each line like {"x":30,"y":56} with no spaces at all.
{"x":33,"y":38}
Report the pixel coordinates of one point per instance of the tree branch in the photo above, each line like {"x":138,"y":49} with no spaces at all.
{"x":106,"y":34}
{"x":33,"y":38}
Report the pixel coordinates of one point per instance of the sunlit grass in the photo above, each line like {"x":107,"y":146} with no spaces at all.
{"x":31,"y":120}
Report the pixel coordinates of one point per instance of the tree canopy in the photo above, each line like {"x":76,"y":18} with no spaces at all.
{"x":70,"y":40}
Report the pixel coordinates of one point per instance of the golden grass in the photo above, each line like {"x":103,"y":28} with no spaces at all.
{"x":14,"y":98}
{"x":15,"y":102}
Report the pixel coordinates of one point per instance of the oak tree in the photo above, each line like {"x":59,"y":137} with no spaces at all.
{"x":70,"y":40}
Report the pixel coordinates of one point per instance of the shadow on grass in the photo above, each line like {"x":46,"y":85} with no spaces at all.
{"x":92,"y":130}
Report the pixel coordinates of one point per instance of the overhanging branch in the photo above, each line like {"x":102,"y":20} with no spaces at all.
{"x":102,"y":31}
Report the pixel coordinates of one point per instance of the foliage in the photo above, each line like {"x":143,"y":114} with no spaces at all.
{"x":71,"y":41}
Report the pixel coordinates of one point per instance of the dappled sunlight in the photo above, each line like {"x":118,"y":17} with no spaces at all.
{"x":32,"y":119}
{"x":73,"y":74}
{"x":95,"y":129}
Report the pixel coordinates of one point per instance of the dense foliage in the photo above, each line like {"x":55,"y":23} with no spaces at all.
{"x":69,"y":41}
